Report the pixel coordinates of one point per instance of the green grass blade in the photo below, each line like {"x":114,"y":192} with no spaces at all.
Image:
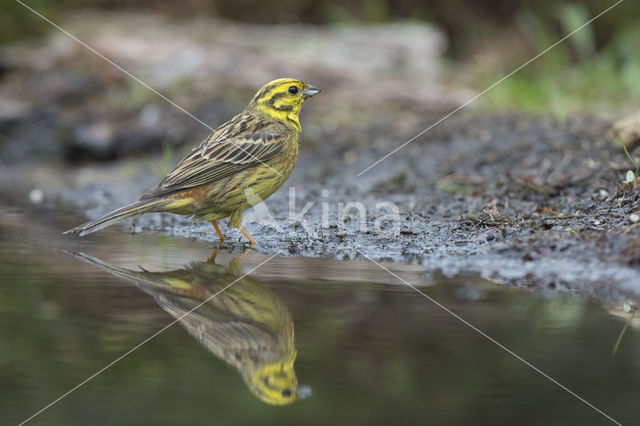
{"x":624,"y":329}
{"x":626,"y":151}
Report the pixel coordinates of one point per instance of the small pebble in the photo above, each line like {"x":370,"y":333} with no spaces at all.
{"x":407,"y":231}
{"x":634,"y":218}
{"x":630,"y":177}
{"x":36,"y":195}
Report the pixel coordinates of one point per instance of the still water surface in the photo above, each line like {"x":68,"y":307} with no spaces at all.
{"x":298,"y":341}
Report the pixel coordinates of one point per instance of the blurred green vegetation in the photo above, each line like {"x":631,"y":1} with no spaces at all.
{"x":594,"y":70}
{"x":464,"y":21}
{"x":575,"y":75}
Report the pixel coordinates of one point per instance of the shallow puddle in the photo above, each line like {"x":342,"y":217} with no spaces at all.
{"x":297,"y":341}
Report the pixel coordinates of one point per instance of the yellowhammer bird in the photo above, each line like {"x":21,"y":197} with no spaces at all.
{"x":252,"y":154}
{"x":236,"y":317}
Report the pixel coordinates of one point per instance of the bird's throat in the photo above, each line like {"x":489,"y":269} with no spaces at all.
{"x":288,"y":116}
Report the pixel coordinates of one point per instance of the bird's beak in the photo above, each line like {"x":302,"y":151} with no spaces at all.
{"x":310,"y":90}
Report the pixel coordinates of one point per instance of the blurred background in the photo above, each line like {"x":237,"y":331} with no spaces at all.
{"x":594,"y":69}
{"x":377,"y":60}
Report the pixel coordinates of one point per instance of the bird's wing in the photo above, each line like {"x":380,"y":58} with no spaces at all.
{"x":238,"y":144}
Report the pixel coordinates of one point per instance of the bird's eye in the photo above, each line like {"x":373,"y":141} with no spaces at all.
{"x":293,"y":90}
{"x":286,"y":393}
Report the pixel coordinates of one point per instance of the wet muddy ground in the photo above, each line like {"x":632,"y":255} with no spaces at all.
{"x":528,"y":201}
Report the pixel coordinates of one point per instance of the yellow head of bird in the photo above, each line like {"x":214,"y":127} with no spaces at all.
{"x":283,"y":98}
{"x":276,"y":383}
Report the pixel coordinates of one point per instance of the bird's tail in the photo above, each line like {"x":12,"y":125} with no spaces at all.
{"x":135,"y":209}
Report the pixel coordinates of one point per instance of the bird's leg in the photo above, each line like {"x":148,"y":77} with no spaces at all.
{"x":212,"y":258}
{"x":248,"y":235}
{"x":245,"y":252}
{"x":217,"y":228}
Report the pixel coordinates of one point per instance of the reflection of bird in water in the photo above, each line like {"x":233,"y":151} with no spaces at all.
{"x":246,"y":325}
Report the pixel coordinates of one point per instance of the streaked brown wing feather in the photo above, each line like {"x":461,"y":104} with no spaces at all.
{"x":238,"y":144}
